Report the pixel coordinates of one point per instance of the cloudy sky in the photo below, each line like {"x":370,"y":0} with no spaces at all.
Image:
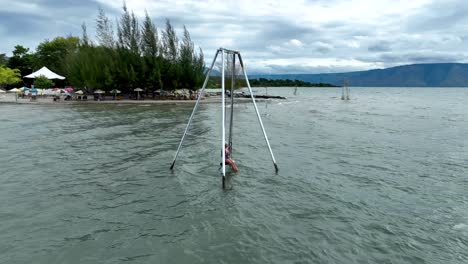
{"x":289,"y":36}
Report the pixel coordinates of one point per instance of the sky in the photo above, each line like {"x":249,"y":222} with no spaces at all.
{"x":289,"y":36}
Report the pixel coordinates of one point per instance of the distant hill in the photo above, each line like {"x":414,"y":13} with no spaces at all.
{"x":415,"y":75}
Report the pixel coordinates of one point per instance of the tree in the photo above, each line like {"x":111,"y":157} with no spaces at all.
{"x":53,"y":53}
{"x":150,"y":52}
{"x":170,"y":65}
{"x":199,"y":68}
{"x":170,"y":42}
{"x":22,"y":60}
{"x":186,"y":59}
{"x":105,"y":33}
{"x":3,"y":59}
{"x":128,"y":31}
{"x":149,"y":38}
{"x":9,"y":76}
{"x":137,"y":57}
{"x":43,"y":82}
{"x":84,"y":41}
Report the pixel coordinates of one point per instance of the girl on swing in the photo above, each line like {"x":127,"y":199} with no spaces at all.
{"x":228,"y":160}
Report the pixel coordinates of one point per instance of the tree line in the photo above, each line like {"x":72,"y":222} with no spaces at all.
{"x":285,"y":83}
{"x":131,"y":54}
{"x":215,"y":82}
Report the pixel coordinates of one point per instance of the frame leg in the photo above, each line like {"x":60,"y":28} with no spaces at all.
{"x":223,"y":113}
{"x":258,"y":114}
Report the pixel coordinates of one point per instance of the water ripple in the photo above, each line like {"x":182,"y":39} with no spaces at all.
{"x":378,"y":179}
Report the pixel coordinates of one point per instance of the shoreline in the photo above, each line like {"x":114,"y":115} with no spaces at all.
{"x":50,"y":101}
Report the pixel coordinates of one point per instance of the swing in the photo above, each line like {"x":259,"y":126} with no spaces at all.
{"x":223,"y":106}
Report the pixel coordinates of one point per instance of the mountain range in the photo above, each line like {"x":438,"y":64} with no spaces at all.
{"x":414,"y":75}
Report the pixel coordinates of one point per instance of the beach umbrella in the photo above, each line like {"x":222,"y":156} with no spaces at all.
{"x":68,"y":89}
{"x":34,"y":90}
{"x":99,"y":92}
{"x":14,"y":90}
{"x":115,"y":92}
{"x":138,"y":90}
{"x":47,"y":91}
{"x":1,"y":91}
{"x":79,"y":92}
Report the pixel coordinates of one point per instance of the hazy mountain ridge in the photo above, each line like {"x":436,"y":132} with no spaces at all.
{"x":414,"y":75}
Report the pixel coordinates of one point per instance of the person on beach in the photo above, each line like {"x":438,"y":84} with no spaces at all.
{"x":227,"y":158}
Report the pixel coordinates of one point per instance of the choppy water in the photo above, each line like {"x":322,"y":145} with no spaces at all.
{"x":379,"y":179}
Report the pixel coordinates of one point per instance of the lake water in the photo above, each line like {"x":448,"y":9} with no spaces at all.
{"x":382,"y":178}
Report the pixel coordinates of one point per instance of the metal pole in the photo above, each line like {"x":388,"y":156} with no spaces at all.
{"x":347,"y":91}
{"x":343,"y":91}
{"x":256,"y":110}
{"x":232,"y":100}
{"x":223,"y":140}
{"x":200,"y":95}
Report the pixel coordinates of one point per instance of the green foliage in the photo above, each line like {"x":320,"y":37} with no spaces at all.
{"x":128,"y":31}
{"x":20,"y":51}
{"x":3,"y":59}
{"x":133,"y":57}
{"x":170,"y":43}
{"x":9,"y":76}
{"x":149,"y":38}
{"x":53,"y":54}
{"x":21,"y":60}
{"x":43,"y":82}
{"x":84,"y":41}
{"x":215,"y":82}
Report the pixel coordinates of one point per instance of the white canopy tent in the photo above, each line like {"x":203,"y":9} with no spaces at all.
{"x":45,"y":72}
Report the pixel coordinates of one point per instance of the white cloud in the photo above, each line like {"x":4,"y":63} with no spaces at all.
{"x":324,"y":35}
{"x":295,"y":43}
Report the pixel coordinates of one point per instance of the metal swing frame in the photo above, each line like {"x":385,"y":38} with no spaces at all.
{"x":224,"y":52}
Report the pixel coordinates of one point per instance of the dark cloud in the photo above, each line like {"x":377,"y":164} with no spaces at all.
{"x":439,"y":15}
{"x":379,"y":47}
